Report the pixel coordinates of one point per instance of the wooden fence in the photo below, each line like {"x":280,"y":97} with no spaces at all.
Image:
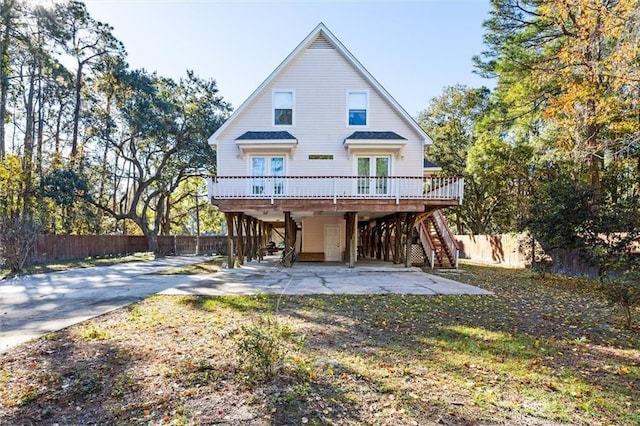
{"x":66,"y":247}
{"x":514,"y":250}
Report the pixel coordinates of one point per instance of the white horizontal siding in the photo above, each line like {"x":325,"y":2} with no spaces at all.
{"x":321,"y":79}
{"x":313,"y":232}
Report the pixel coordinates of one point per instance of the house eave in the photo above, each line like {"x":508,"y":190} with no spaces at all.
{"x":282,"y":146}
{"x":361,"y":146}
{"x":431,"y":170}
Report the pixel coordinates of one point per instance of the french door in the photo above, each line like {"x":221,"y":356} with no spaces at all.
{"x":373,"y":175}
{"x":268,"y":175}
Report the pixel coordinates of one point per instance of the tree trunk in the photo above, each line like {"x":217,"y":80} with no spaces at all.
{"x":104,"y":164}
{"x":76,"y":114}
{"x":152,"y":241}
{"x":40,"y":131}
{"x":27,"y":159}
{"x":5,"y":14}
{"x":57,"y":160}
{"x":594,"y":150}
{"x":166,"y":216}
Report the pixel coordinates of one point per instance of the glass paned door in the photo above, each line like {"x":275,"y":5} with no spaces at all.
{"x":258,"y":169}
{"x":363,"y":170}
{"x":382,"y":175}
{"x":373,"y":175}
{"x":268,"y":175}
{"x":277,"y":170}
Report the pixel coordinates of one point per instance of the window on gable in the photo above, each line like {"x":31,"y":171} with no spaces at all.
{"x":283,"y":108}
{"x":357,"y":108}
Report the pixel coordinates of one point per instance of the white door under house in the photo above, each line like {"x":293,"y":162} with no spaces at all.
{"x":373,"y":175}
{"x":273,"y":167}
{"x":332,"y":249}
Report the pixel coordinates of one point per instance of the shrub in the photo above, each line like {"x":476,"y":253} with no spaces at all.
{"x":263,"y":348}
{"x":18,"y":236}
{"x":624,"y":292}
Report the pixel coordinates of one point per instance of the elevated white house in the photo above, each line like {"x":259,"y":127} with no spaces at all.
{"x":323,"y":152}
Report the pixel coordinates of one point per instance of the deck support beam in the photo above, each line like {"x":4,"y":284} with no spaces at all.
{"x":240,"y":237}
{"x":289,"y":236}
{"x":351,"y":247}
{"x":230,"y":218}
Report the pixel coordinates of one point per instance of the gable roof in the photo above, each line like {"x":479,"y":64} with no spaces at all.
{"x":322,"y":36}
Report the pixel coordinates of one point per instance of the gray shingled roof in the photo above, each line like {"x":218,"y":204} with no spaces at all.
{"x":253,"y":136}
{"x":429,"y":165}
{"x":376,"y":135}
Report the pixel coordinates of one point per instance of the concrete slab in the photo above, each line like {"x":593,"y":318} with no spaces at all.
{"x":31,"y":306}
{"x":308,"y":279}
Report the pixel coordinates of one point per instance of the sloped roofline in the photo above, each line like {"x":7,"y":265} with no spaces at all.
{"x":321,"y":28}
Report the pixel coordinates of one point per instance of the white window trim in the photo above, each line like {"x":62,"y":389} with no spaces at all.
{"x":366,"y":92}
{"x":372,"y":155}
{"x":371,"y":165}
{"x":273,"y":108}
{"x":267,"y":157}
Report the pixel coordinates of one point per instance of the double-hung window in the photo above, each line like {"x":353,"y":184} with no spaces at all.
{"x":357,"y":108}
{"x":283,"y":108}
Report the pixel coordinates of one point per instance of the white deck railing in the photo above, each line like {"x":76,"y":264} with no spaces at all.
{"x":336,"y":187}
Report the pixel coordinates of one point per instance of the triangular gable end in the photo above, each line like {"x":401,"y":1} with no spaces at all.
{"x":322,"y":38}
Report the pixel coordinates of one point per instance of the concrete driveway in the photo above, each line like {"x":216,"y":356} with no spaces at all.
{"x":31,"y":306}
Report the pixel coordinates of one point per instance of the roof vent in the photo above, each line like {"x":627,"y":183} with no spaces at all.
{"x":320,"y":42}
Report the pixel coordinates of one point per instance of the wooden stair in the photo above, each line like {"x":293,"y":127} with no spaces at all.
{"x":433,"y":238}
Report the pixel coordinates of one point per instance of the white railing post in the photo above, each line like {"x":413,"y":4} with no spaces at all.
{"x":335,"y":190}
{"x":397,"y":190}
{"x":271,"y":190}
{"x":211,"y":188}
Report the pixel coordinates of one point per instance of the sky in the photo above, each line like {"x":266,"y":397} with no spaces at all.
{"x":413,"y":48}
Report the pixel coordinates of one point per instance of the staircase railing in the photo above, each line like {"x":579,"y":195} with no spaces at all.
{"x":427,"y":244}
{"x":447,"y":236}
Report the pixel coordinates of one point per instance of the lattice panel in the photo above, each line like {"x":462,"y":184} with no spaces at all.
{"x":417,"y":255}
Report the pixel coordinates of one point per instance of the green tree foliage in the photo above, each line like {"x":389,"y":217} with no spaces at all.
{"x":191,"y":211}
{"x":66,"y":192}
{"x":561,"y":212}
{"x":95,"y":146}
{"x":11,"y":184}
{"x":575,"y":63}
{"x":467,"y":142}
{"x":554,"y":149}
{"x":163,"y":143}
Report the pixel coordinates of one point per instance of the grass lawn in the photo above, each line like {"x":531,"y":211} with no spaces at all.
{"x":540,"y":352}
